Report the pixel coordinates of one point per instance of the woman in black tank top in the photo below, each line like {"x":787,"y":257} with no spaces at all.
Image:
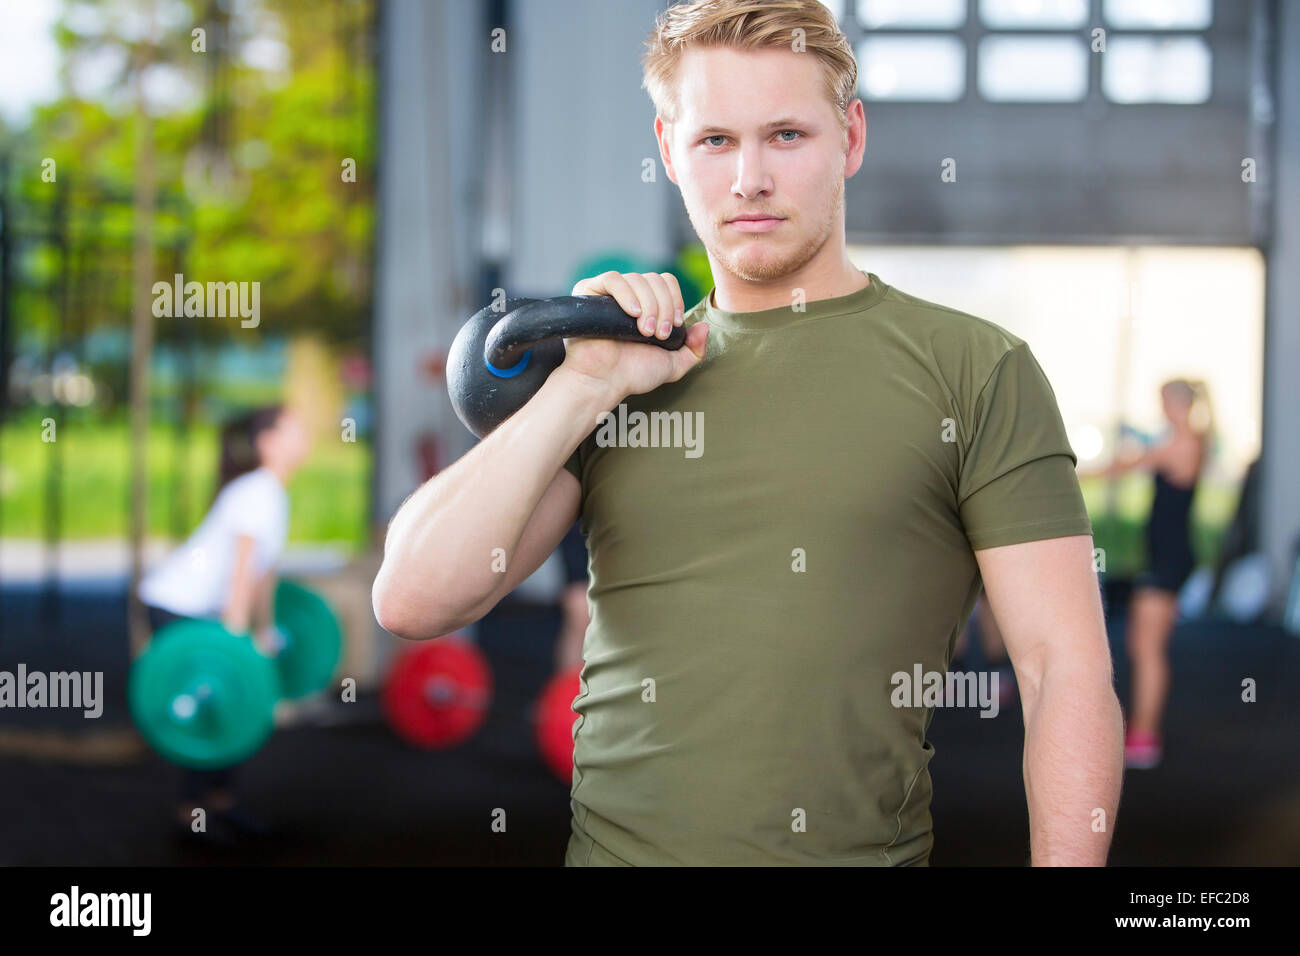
{"x":1176,"y":466}
{"x":1170,"y":561}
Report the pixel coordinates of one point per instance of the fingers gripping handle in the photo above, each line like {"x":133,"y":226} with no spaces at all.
{"x":505,"y":350}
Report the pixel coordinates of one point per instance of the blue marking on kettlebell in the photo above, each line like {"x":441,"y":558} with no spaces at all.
{"x":513,"y":370}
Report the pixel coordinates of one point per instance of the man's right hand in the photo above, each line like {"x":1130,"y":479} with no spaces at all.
{"x":654,"y":299}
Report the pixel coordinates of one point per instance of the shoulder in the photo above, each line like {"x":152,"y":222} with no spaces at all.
{"x":954,"y":323}
{"x":254,"y":486}
{"x":959,"y":341}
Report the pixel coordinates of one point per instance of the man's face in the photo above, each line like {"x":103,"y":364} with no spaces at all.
{"x":756,"y":135}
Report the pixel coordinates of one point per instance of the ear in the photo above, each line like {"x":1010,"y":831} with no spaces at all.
{"x":663,"y":134}
{"x":857,"y":137}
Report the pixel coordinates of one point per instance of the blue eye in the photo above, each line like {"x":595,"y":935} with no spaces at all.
{"x":720,"y":136}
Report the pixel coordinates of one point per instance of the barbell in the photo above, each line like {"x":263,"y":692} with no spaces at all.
{"x":204,"y":697}
{"x":501,"y":357}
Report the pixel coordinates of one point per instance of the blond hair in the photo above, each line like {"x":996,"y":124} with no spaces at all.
{"x":1195,"y":394}
{"x":748,"y":25}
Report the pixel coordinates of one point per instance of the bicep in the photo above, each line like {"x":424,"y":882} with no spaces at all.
{"x":1047,"y":601}
{"x":551,"y":520}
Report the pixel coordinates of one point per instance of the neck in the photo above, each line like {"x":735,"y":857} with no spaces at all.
{"x":824,"y":279}
{"x":279,"y":469}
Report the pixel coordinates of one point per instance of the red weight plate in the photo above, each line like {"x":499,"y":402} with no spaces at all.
{"x":437,"y":695}
{"x":555,"y":719}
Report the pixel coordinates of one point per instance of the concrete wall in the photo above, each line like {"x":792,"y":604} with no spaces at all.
{"x":581,"y":130}
{"x":429,"y":232}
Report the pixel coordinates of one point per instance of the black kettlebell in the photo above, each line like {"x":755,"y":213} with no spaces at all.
{"x":500,"y":359}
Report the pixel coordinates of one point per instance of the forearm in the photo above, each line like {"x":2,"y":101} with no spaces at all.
{"x":237,"y":616}
{"x":264,"y":609}
{"x":441,"y":549}
{"x":1073,"y":763}
{"x":1117,"y":466}
{"x":1105,"y":471}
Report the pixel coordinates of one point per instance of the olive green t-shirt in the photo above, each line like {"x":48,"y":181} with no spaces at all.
{"x":800,"y":529}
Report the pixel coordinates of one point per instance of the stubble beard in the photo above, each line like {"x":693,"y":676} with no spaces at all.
{"x":764,"y":263}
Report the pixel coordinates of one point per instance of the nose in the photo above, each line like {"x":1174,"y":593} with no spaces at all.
{"x":751,"y":180}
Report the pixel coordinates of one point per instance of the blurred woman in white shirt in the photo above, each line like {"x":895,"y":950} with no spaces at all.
{"x":226,"y":571}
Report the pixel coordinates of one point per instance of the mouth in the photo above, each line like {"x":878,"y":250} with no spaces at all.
{"x":766,"y":224}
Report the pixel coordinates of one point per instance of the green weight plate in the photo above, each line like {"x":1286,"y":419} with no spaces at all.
{"x":314,"y":639}
{"x":201,"y":696}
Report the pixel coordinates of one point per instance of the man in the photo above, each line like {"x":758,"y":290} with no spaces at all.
{"x":867,"y":459}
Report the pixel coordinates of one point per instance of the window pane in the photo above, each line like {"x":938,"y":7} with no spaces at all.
{"x":912,"y":68}
{"x":1158,"y":14}
{"x":1033,"y":14}
{"x":937,"y":14}
{"x":1156,"y":70}
{"x":1037,"y":69}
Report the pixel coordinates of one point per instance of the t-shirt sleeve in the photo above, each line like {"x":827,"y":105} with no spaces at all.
{"x":1017,"y":480}
{"x":254,"y":509}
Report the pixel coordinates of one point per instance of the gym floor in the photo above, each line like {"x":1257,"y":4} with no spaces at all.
{"x":345,"y":790}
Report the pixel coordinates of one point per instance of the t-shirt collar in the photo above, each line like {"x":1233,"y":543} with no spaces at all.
{"x":787,"y":315}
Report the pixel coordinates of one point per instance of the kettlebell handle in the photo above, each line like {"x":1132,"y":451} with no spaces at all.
{"x":505,"y":351}
{"x":499,"y":359}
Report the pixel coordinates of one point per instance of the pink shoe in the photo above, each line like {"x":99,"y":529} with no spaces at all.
{"x":1142,"y":750}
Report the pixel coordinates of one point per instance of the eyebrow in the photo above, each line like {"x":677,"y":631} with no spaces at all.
{"x":783,"y":123}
